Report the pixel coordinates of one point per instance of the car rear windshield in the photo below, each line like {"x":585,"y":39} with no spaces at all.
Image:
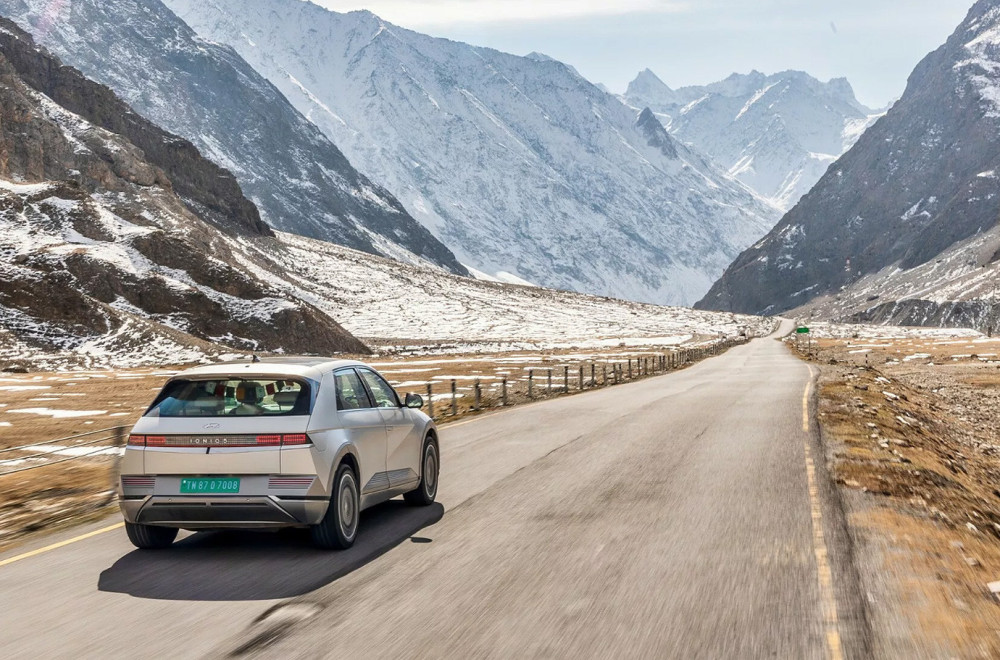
{"x":233,"y":397}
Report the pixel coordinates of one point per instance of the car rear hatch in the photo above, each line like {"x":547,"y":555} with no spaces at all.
{"x":180,"y":446}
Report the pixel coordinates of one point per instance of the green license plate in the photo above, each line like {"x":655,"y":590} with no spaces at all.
{"x":226,"y":485}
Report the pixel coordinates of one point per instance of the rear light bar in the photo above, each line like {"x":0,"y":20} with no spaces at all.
{"x":263,"y":440}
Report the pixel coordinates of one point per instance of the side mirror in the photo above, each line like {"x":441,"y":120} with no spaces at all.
{"x":414,"y":401}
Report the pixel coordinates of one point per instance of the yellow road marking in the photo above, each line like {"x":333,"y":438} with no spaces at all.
{"x":824,"y":573}
{"x":61,"y":544}
{"x":805,"y":403}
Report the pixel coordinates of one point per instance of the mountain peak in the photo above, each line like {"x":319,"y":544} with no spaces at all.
{"x":648,"y":77}
{"x":648,"y":86}
{"x":776,"y":133}
{"x":539,"y":57}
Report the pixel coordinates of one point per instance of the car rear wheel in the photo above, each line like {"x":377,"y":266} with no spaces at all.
{"x":430,"y":468}
{"x":339,"y":526}
{"x":150,"y":537}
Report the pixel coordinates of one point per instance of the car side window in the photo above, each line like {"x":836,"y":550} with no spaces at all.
{"x":351,"y":394}
{"x":385,"y":396}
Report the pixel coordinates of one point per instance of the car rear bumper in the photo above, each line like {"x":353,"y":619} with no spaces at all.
{"x":263,"y":501}
{"x":219,"y":511}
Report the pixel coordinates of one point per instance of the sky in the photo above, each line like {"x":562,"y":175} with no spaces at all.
{"x":875,"y":44}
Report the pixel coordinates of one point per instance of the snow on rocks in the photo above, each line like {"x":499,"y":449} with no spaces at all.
{"x":56,"y":413}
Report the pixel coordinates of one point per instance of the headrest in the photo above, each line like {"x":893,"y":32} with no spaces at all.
{"x":250,"y":393}
{"x":286,"y":399}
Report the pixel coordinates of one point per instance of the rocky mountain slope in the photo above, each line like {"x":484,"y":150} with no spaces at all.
{"x":776,"y":133}
{"x":99,"y":252}
{"x":915,"y":203}
{"x":206,"y":93}
{"x":959,"y":288}
{"x":526,"y":170}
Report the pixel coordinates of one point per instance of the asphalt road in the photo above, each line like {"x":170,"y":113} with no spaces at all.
{"x":683,"y":516}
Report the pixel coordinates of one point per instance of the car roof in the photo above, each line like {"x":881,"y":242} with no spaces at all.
{"x":307,"y":367}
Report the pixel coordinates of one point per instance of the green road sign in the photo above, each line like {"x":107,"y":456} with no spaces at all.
{"x":802,"y":331}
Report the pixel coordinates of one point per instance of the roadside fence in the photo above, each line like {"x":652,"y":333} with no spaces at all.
{"x":101,"y":444}
{"x":445,"y":399}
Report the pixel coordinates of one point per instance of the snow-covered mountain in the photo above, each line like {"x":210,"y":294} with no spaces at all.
{"x":776,"y":133}
{"x":523,"y":168}
{"x":905,"y":225}
{"x":99,"y":254}
{"x":204,"y":92}
{"x":103,"y":263}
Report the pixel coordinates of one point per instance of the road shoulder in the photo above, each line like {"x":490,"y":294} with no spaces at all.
{"x":913,"y":484}
{"x":852,"y":612}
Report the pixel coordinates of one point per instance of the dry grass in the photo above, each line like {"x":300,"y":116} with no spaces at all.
{"x":46,"y":497}
{"x":939,"y":574}
{"x":114,"y":398}
{"x":918,"y":440}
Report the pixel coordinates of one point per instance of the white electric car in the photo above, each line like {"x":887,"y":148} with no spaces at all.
{"x":275,"y":443}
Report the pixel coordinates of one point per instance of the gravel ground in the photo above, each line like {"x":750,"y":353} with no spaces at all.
{"x":913,"y":440}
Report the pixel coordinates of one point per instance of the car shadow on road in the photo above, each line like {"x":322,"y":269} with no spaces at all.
{"x":258,"y":565}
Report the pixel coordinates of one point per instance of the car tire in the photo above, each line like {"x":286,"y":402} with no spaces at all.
{"x":339,"y":526}
{"x":430,"y":463}
{"x":150,"y":537}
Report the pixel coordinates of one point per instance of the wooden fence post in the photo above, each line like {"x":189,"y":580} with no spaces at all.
{"x":566,"y":379}
{"x":593,"y":375}
{"x":604,"y":370}
{"x":531,"y":383}
{"x":581,"y":377}
{"x":630,"y":368}
{"x":430,"y":401}
{"x":479,"y":395}
{"x":454,"y":397}
{"x":503,"y":391}
{"x":550,"y":382}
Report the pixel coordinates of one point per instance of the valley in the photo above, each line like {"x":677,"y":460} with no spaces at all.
{"x":706,"y":371}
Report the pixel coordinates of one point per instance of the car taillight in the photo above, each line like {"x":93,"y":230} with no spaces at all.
{"x":282,"y":440}
{"x":156,"y":441}
{"x":137,"y":440}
